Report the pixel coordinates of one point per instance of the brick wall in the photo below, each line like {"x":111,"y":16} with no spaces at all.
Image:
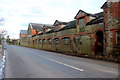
{"x":111,"y":18}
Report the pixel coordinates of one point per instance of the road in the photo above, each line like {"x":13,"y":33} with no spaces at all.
{"x":23,"y":62}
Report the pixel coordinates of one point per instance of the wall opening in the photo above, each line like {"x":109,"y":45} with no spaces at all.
{"x":33,"y":43}
{"x":99,"y":43}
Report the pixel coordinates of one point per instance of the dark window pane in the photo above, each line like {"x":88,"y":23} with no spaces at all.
{"x":50,"y":41}
{"x":66,"y":41}
{"x":57,"y":41}
{"x":44,"y":41}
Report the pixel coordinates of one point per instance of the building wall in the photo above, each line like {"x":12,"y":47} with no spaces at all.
{"x":100,"y":38}
{"x":22,"y":35}
{"x":112,"y":25}
{"x":92,"y":30}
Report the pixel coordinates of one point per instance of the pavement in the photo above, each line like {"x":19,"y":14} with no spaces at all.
{"x":2,"y":63}
{"x":23,"y":62}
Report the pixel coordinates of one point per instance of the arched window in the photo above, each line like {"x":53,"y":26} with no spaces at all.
{"x":37,"y":41}
{"x":57,"y":41}
{"x":40,"y":41}
{"x":50,"y":41}
{"x":66,"y":40}
{"x":44,"y":41}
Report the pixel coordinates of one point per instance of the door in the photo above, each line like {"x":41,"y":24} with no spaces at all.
{"x":99,"y":43}
{"x":85,"y":45}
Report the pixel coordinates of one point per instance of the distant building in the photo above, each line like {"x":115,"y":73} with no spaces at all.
{"x":23,"y":33}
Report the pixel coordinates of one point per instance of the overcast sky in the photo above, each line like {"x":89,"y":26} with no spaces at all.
{"x":18,"y":14}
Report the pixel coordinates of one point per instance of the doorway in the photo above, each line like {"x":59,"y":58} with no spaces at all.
{"x":33,"y":43}
{"x":99,"y":43}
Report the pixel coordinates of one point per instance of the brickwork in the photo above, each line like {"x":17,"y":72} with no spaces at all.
{"x":94,"y":34}
{"x":112,"y":25}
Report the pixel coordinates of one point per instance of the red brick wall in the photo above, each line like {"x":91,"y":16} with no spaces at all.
{"x":59,"y":26}
{"x":77,"y":19}
{"x":105,"y":17}
{"x":87,"y":18}
{"x":33,"y":31}
{"x":115,"y":10}
{"x":22,"y":35}
{"x":80,"y":16}
{"x":77,"y":22}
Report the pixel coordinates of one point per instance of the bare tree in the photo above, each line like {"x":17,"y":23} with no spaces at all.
{"x":2,"y":31}
{"x":2,"y":34}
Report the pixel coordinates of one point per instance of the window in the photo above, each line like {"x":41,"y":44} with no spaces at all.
{"x":57,"y":28}
{"x":77,"y":40}
{"x":57,"y":41}
{"x":44,"y":41}
{"x":41,"y":41}
{"x":37,"y":41}
{"x":66,"y":41}
{"x":50,"y":41}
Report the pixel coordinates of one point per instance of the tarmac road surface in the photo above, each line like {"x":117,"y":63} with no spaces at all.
{"x":23,"y":62}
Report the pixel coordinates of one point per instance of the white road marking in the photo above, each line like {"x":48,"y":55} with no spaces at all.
{"x":62,"y":63}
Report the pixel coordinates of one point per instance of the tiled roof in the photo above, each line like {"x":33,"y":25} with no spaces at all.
{"x":60,"y":23}
{"x":50,"y":31}
{"x":104,"y":5}
{"x":83,"y":12}
{"x":38,"y":26}
{"x":99,"y":18}
{"x":98,"y":15}
{"x":23,"y":31}
{"x":71,"y":24}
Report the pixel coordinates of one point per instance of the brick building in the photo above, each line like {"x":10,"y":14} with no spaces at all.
{"x":89,"y":34}
{"x":111,"y":25}
{"x":23,"y":33}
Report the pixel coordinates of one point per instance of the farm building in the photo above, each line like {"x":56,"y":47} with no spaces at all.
{"x":88,"y":34}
